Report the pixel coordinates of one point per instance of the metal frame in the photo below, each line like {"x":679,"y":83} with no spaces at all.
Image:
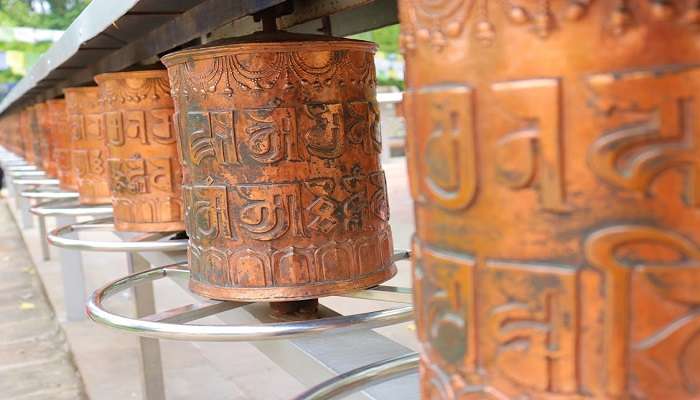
{"x":66,"y":213}
{"x":362,"y":377}
{"x":37,"y":181}
{"x":63,"y":237}
{"x":154,"y":328}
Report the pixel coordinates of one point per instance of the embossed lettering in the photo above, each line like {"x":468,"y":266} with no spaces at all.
{"x":634,"y":153}
{"x":535,"y":144}
{"x":270,"y":133}
{"x":445,"y":141}
{"x":324,"y":130}
{"x":268,"y":211}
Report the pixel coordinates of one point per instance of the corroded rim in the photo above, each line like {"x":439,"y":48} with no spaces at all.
{"x":143,"y":74}
{"x":182,"y":56}
{"x":289,"y":293}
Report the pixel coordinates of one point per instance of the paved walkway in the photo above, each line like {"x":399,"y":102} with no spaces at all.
{"x":35,"y":362}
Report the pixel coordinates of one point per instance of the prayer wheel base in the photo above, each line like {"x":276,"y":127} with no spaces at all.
{"x":292,"y":293}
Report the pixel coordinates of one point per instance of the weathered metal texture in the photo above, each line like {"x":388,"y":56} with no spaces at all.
{"x":46,"y":144}
{"x":88,"y":145}
{"x":35,"y":134}
{"x":284,"y":194}
{"x":25,"y":132}
{"x":15,"y":139}
{"x":61,"y":138}
{"x":553,"y":153}
{"x":146,"y":175}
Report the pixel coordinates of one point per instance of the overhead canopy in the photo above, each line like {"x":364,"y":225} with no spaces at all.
{"x":113,"y":35}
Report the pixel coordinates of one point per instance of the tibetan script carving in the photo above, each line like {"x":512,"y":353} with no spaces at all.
{"x":285,"y":197}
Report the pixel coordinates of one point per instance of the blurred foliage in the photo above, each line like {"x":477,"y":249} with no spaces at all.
{"x":41,"y":14}
{"x":387,"y":38}
{"x":7,"y":75}
{"x":46,"y":14}
{"x":398,"y":83}
{"x":38,"y":47}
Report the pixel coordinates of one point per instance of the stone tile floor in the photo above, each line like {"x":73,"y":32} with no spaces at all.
{"x":35,"y":361}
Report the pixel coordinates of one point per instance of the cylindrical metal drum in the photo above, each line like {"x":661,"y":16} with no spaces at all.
{"x":88,"y":145}
{"x":46,"y":144}
{"x":16,"y":140}
{"x":285,"y":197}
{"x":36,"y":134}
{"x":61,"y":138}
{"x":553,"y":152}
{"x":146,"y":175}
{"x":25,"y":132}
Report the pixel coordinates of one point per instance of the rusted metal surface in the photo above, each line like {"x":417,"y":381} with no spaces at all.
{"x":25,"y":132}
{"x":12,"y":136}
{"x":46,"y":144}
{"x":284,"y":194}
{"x":553,"y":152}
{"x":88,"y":145}
{"x":35,"y":133}
{"x":146,"y":176}
{"x":61,"y":139}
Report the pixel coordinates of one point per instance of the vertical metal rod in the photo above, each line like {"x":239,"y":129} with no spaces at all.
{"x":24,"y":206}
{"x":73,"y":278}
{"x":151,"y":362}
{"x":45,"y":251}
{"x":9,"y":184}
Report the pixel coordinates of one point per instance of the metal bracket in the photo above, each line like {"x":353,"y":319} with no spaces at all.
{"x":37,"y":181}
{"x":362,"y":377}
{"x":61,"y":237}
{"x":70,"y":208}
{"x":171,"y":326}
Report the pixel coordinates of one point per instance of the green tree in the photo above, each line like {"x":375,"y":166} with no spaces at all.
{"x":386,"y":38}
{"x":47,"y":14}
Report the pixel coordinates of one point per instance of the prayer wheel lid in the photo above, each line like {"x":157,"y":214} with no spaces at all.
{"x":262,"y":40}
{"x":134,"y":74}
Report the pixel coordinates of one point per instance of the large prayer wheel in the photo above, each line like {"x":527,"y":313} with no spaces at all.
{"x":284,"y":193}
{"x":61,"y":140}
{"x":46,"y":145}
{"x":26,"y":133}
{"x":554,"y":158}
{"x":146,"y":176}
{"x":89,"y":148}
{"x":36,"y":134}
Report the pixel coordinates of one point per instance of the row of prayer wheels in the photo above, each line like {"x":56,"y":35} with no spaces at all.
{"x":264,"y":149}
{"x":553,"y":162}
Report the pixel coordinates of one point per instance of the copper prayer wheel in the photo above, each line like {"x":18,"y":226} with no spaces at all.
{"x":284,"y":193}
{"x":46,"y":144}
{"x":27,"y":138}
{"x":36,"y":134}
{"x":15,"y":133}
{"x":553,"y":163}
{"x":88,"y":145}
{"x":61,"y":139}
{"x":146,"y":175}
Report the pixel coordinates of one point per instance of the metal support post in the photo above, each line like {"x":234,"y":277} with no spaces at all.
{"x":152,"y":368}
{"x":73,"y":279}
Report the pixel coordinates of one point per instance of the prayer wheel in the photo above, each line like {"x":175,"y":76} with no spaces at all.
{"x":61,"y":139}
{"x":88,"y":145}
{"x":36,"y":134}
{"x":25,"y":133}
{"x":285,"y":198}
{"x":553,"y":157}
{"x":146,"y":175}
{"x":46,"y":144}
